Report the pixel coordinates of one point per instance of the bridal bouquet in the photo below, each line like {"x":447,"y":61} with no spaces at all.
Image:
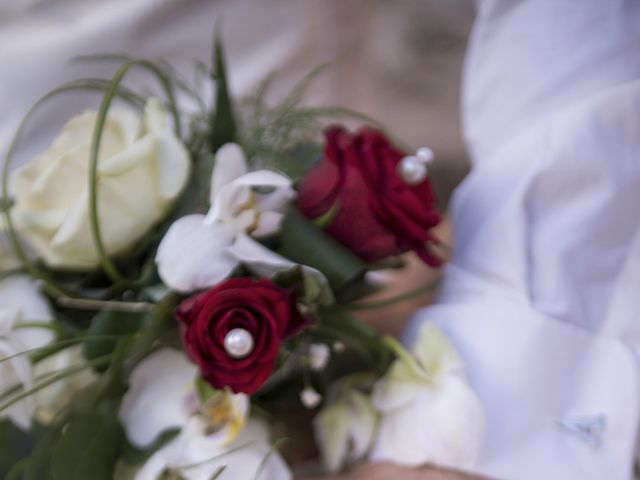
{"x":181,"y":276}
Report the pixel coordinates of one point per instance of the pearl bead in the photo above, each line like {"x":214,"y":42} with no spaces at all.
{"x":425,"y":154}
{"x":238,"y":343}
{"x":412,"y":170}
{"x":310,"y":398}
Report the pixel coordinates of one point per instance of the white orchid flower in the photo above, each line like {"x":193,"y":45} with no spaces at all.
{"x":345,"y":430}
{"x":193,"y":455}
{"x":429,"y":412}
{"x":21,"y":303}
{"x":198,"y":250}
{"x":162,"y":396}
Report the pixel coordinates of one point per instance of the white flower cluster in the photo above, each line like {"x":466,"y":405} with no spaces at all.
{"x":421,"y":411}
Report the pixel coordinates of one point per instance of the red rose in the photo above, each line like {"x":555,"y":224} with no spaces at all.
{"x":261,"y":311}
{"x":378,"y":213}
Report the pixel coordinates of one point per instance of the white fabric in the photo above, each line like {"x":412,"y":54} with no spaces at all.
{"x":541,"y":298}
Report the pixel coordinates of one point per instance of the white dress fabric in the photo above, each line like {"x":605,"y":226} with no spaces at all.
{"x":542,"y":297}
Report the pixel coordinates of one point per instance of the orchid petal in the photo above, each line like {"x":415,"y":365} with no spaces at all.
{"x":345,"y":430}
{"x":444,"y":426}
{"x":435,"y":353}
{"x":388,"y":395}
{"x":269,"y":222}
{"x":363,"y":424}
{"x":196,"y":456}
{"x":230,"y":163}
{"x":331,"y":431}
{"x":263,"y":262}
{"x":238,"y":195}
{"x":8,"y":318}
{"x":277,"y":199}
{"x":429,"y":412}
{"x":22,"y":301}
{"x":17,"y":370}
{"x":193,"y":255}
{"x":258,"y":258}
{"x":161,"y":396}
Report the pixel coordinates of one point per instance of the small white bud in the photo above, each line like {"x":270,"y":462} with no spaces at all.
{"x":310,"y":398}
{"x":319,"y":355}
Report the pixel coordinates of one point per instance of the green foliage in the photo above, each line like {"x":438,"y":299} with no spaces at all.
{"x":285,"y":136}
{"x":13,"y":446}
{"x":311,"y":288}
{"x":273,"y":136}
{"x":223,"y":125}
{"x":303,"y":242}
{"x":106,"y":324}
{"x":298,"y":161}
{"x":88,"y":446}
{"x":38,"y":466}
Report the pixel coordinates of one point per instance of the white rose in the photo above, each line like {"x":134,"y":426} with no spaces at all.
{"x":142,"y":168}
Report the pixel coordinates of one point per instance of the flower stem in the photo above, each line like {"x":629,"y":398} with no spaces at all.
{"x":112,"y":306}
{"x":153,"y":330}
{"x":55,"y":378}
{"x":393,"y":300}
{"x":107,"y":264}
{"x":52,"y":348}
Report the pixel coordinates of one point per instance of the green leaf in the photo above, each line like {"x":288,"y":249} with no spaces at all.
{"x":195,"y":199}
{"x":304,"y":243}
{"x":222,"y":119}
{"x":14,"y":445}
{"x":310,"y":286}
{"x":88,"y":447}
{"x":125,"y":471}
{"x":343,"y":326}
{"x":39,"y":466}
{"x":299,"y":160}
{"x":110,"y":323}
{"x":18,"y":470}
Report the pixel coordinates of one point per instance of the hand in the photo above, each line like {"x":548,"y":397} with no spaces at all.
{"x":391,"y":320}
{"x":387,"y":471}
